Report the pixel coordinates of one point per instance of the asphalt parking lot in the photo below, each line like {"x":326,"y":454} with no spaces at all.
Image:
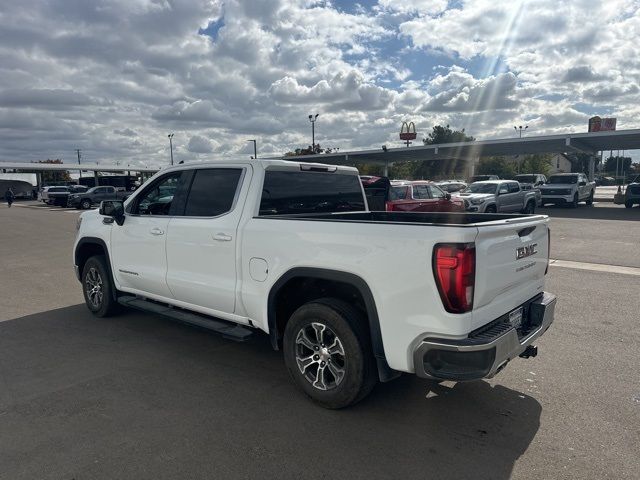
{"x":137,"y":396}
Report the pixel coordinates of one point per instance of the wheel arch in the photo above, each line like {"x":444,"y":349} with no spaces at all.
{"x":86,"y":248}
{"x":298,"y":278}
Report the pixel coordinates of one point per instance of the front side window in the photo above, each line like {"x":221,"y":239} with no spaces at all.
{"x":212,"y":192}
{"x":157,"y":198}
{"x":421,"y":192}
{"x":436,"y":192}
{"x":514,"y":188}
{"x":291,"y":192}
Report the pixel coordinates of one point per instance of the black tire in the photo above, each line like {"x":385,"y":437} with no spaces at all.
{"x":98,"y":288}
{"x":574,"y":204}
{"x":590,"y":199}
{"x":341,"y":322}
{"x":85,"y":204}
{"x":628,"y":204}
{"x":530,"y":208}
{"x":491,"y":209}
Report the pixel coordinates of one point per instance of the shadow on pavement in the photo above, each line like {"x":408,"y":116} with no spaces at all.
{"x":137,"y":396}
{"x":590,"y":212}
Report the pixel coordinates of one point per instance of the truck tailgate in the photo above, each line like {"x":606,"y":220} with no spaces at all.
{"x":511,"y":260}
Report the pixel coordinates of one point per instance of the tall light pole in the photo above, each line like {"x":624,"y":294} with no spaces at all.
{"x":312,"y":119}
{"x":78,"y":152}
{"x":255,"y":148}
{"x":520,"y":129}
{"x":171,"y":146}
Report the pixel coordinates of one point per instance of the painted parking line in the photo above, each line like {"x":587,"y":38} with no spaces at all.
{"x":595,"y":267}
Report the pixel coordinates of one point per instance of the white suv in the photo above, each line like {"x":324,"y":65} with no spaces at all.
{"x":568,"y":189}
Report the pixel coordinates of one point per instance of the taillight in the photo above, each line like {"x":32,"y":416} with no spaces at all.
{"x":388,"y":206}
{"x":548,"y":250}
{"x":454,"y":268}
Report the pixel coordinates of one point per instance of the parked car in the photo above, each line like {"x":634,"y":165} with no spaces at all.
{"x":421,"y":196}
{"x":483,"y":178}
{"x":632,"y":193}
{"x":61,"y":197}
{"x":94,"y":196}
{"x":535,"y":179}
{"x":568,"y":189}
{"x":451,"y":186}
{"x":498,"y":196}
{"x":290,"y":249}
{"x":50,"y":195}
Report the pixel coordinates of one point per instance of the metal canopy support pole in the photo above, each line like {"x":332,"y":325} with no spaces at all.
{"x":386,"y":168}
{"x":472,"y":166}
{"x":592,"y":166}
{"x":95,"y":177}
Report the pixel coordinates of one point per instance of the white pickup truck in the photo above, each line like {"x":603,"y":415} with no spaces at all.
{"x":350,"y":296}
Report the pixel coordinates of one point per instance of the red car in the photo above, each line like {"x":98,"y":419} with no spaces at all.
{"x":421,"y":196}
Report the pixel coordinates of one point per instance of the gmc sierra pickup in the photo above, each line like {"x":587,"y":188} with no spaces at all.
{"x":291,"y":249}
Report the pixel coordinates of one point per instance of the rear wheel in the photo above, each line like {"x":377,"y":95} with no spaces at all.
{"x":590,"y":199}
{"x":530,"y":208}
{"x":327,"y":350}
{"x":628,"y":204}
{"x":97,"y":287}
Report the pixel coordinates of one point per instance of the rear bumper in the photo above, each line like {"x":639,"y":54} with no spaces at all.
{"x":487,"y":350}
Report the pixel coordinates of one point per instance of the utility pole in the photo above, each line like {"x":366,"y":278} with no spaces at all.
{"x":171,"y":146}
{"x":78,"y":152}
{"x":255,"y":148}
{"x":313,"y":119}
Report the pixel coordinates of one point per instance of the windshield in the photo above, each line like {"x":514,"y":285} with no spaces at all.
{"x":481,"y":188}
{"x":563,"y":179}
{"x":526,"y":178}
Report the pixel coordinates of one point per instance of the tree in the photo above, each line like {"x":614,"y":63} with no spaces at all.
{"x":620,"y":164}
{"x":536,"y":163}
{"x":442,"y":134}
{"x":497,"y":166}
{"x":308,"y":151}
{"x":54,"y":176}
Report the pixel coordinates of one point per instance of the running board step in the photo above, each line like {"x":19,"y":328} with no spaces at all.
{"x":228,"y":330}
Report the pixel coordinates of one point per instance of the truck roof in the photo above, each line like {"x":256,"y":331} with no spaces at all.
{"x":265,"y":164}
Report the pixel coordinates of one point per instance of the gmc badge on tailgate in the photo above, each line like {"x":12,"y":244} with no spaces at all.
{"x":526,"y":251}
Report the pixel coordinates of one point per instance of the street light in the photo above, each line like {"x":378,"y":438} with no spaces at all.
{"x":255,"y":148}
{"x":171,"y":146}
{"x":313,"y":119}
{"x":520,"y":129}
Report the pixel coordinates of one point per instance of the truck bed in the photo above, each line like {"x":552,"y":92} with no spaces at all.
{"x":411,"y":218}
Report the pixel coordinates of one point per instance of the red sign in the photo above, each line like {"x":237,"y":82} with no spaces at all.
{"x":408,"y":131}
{"x":597,"y":124}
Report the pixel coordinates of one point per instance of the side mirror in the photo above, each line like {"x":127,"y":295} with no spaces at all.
{"x":447,"y":195}
{"x":113,"y":209}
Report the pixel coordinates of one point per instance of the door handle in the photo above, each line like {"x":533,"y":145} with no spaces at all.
{"x":222,"y":237}
{"x":156,"y":231}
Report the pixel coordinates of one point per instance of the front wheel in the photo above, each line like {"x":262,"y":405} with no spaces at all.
{"x":590,"y":199}
{"x":327,"y":350}
{"x":628,"y":204}
{"x":574,"y":204}
{"x":86,"y":204}
{"x":491,"y":209}
{"x":97,"y":287}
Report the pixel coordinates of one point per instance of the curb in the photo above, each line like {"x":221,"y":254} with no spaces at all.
{"x":603,"y":199}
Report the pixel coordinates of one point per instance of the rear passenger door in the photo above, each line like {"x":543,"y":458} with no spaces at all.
{"x":202,"y":239}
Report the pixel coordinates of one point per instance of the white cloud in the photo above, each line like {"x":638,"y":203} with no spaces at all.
{"x":198,"y":144}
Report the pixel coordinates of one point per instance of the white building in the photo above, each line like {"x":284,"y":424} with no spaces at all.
{"x":560,"y":164}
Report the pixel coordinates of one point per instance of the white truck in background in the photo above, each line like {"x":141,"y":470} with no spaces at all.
{"x":350,"y":296}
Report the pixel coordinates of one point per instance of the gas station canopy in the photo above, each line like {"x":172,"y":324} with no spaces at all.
{"x":589,"y":143}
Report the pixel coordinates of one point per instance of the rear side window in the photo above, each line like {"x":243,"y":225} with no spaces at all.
{"x":398,"y":193}
{"x":212,"y":192}
{"x":290,"y":192}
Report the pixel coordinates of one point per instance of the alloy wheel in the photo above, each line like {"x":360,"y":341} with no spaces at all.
{"x":320,"y":356}
{"x":93,"y":287}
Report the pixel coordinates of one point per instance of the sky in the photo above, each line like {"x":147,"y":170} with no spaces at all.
{"x":115,"y":77}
